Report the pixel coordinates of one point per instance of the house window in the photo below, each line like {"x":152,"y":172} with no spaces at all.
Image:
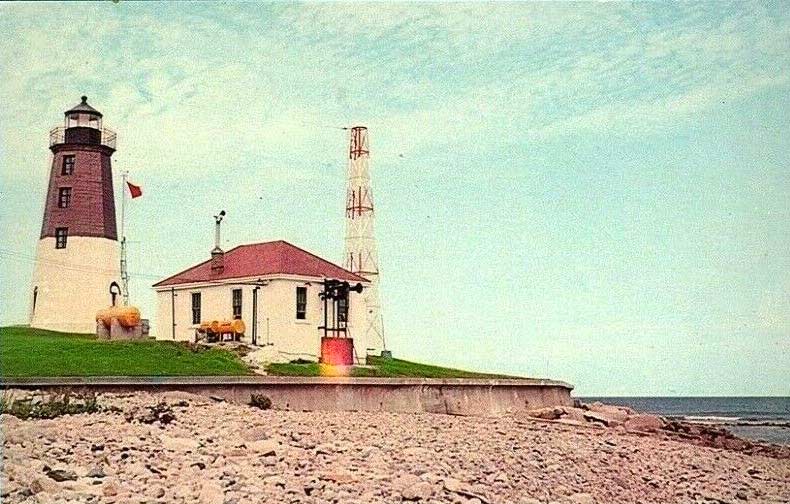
{"x":61,"y":235}
{"x":68,"y":165}
{"x":301,"y":303}
{"x":236,"y":303}
{"x":195,"y":307}
{"x":64,"y":197}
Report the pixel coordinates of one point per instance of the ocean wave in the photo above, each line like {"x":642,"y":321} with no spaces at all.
{"x":741,"y":422}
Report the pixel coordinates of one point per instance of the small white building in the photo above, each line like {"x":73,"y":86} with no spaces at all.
{"x":273,"y":287}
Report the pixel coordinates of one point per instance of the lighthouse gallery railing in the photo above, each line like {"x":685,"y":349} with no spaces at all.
{"x":58,"y":136}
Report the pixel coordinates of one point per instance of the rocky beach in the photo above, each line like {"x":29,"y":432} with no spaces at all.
{"x":178,"y":447}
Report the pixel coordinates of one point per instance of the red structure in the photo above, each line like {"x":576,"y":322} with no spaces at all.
{"x":80,"y":194}
{"x":337,"y":351}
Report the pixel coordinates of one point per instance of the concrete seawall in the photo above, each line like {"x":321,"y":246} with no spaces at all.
{"x":480,"y":397}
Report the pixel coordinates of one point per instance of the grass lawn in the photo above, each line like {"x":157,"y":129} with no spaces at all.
{"x":35,"y":352}
{"x":392,"y":368}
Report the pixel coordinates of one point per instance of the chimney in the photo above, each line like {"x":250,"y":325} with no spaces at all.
{"x":217,"y":254}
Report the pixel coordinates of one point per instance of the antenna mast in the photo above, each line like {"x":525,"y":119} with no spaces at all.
{"x":361,"y":256}
{"x":124,"y":267}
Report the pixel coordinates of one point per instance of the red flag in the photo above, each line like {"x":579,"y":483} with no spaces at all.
{"x":134,"y":190}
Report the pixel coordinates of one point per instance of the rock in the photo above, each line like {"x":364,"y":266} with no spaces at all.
{"x":211,"y":493}
{"x":405,"y":481}
{"x":618,"y":413}
{"x":46,"y":485}
{"x":62,"y":475}
{"x":254,"y":434}
{"x":573,"y":414}
{"x":602,"y":418}
{"x":581,"y":498}
{"x":264,"y":447}
{"x":8,"y":421}
{"x":452,"y":485}
{"x":96,"y":472}
{"x":421,"y":491}
{"x":178,"y":444}
{"x":110,"y":489}
{"x":275,"y":480}
{"x":643,"y":423}
{"x":337,"y":476}
{"x":546,"y":413}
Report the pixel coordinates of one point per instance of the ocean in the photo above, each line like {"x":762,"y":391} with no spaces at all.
{"x":760,"y":418}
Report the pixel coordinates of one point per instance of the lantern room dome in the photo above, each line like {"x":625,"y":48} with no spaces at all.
{"x":83,"y":108}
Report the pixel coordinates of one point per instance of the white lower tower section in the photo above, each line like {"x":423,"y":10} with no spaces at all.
{"x":361,"y":255}
{"x":71,"y":284}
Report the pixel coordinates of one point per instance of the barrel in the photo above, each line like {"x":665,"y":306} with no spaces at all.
{"x":127,"y":316}
{"x":236,"y":326}
{"x":231,"y":326}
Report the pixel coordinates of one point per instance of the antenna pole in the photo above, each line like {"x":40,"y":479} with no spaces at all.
{"x":124,"y":269}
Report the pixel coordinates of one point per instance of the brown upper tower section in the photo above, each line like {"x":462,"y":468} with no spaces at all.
{"x":80,"y":196}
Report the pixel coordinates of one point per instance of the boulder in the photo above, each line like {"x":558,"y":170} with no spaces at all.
{"x":618,"y":413}
{"x":421,"y":491}
{"x":47,"y":485}
{"x":602,"y":418}
{"x":110,"y":489}
{"x":546,"y":413}
{"x":644,"y":423}
{"x":573,"y":414}
{"x":62,"y":475}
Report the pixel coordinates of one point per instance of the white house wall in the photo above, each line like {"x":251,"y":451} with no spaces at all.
{"x":277,"y":323}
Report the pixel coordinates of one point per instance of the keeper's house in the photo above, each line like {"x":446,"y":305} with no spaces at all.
{"x":273,"y":287}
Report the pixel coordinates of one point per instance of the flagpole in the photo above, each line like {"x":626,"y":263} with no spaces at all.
{"x":124,"y":272}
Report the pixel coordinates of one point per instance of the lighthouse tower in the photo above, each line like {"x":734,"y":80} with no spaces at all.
{"x":77,"y":269}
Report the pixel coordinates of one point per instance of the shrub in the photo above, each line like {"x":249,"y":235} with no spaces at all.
{"x":260,"y":401}
{"x":50,"y":407}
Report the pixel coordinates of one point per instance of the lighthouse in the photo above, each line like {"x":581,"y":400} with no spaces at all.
{"x":77,"y":269}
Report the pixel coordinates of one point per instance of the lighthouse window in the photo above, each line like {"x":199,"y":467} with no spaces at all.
{"x":61,"y":235}
{"x":195,"y":307}
{"x":236,"y":303}
{"x":301,"y":303}
{"x":64,"y":197}
{"x":68,"y":165}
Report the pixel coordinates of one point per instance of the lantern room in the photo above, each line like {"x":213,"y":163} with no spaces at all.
{"x":82,"y":125}
{"x":83,"y":116}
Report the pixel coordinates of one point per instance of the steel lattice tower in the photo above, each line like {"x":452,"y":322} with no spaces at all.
{"x":361,"y":256}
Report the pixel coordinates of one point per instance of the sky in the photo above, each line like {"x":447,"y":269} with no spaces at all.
{"x":592,"y":192}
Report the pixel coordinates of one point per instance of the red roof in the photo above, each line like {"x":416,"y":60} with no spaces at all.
{"x":261,"y":259}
